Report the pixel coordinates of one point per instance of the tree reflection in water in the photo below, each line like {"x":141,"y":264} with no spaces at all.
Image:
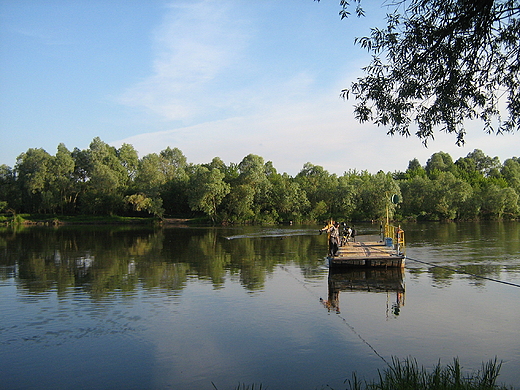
{"x":85,"y":292}
{"x":106,"y":259}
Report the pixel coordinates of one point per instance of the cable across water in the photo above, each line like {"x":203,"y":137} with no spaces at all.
{"x":338,"y":315}
{"x":461,"y":272}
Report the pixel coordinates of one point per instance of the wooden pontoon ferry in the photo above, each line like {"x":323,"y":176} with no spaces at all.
{"x":372,"y":251}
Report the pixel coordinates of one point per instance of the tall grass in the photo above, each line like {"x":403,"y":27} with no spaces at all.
{"x":407,"y":375}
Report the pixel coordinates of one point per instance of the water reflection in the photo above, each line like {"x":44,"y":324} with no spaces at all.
{"x":103,"y":260}
{"x":174,"y":308}
{"x":492,"y":241}
{"x":375,"y":280}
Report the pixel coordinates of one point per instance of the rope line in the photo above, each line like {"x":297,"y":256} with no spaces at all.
{"x":304,"y":285}
{"x":362,"y":339}
{"x":464,"y":273}
{"x":458,"y":271}
{"x":353,"y":330}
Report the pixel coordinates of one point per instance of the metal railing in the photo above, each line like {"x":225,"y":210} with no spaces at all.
{"x":394,"y":236}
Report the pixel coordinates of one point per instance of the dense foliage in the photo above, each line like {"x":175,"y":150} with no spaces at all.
{"x":104,"y":180}
{"x":438,"y":64}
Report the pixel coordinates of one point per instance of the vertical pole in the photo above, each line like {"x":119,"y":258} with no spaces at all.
{"x":398,"y":238}
{"x":387,"y":218}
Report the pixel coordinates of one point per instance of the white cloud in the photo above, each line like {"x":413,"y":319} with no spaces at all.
{"x":196,"y":44}
{"x":202,"y":83}
{"x":323,"y":133}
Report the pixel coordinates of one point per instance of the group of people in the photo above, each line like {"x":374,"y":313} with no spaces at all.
{"x":339,"y":235}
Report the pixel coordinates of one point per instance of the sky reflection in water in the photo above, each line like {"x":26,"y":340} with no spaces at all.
{"x":182,"y":308}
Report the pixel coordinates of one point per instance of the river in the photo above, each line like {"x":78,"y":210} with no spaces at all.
{"x":122,"y":307}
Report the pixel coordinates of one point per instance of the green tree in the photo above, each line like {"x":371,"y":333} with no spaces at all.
{"x":230,"y":171}
{"x":320,"y":187}
{"x":239,"y":203}
{"x":164,"y":176}
{"x":346,"y":195}
{"x":149,"y":183}
{"x":415,"y":192}
{"x":447,"y":196}
{"x":32,"y":170}
{"x":511,"y":203}
{"x":104,"y":178}
{"x":216,"y":162}
{"x":129,"y":159}
{"x":140,"y":202}
{"x":477,"y":165}
{"x":484,"y":163}
{"x":439,"y":162}
{"x":471,"y":208}
{"x":9,"y":191}
{"x":62,"y":180}
{"x":81,"y":165}
{"x":440,"y":63}
{"x":150,"y":177}
{"x":467,"y":170}
{"x":498,"y":202}
{"x":511,"y":172}
{"x":374,"y":196}
{"x":288,"y":198}
{"x":414,"y":165}
{"x":174,"y":163}
{"x":175,"y":168}
{"x":253,"y":174}
{"x":206,"y":190}
{"x":415,"y":169}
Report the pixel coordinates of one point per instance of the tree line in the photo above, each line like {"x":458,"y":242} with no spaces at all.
{"x":104,"y":180}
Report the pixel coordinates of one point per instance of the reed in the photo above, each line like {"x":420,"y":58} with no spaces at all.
{"x":407,"y":375}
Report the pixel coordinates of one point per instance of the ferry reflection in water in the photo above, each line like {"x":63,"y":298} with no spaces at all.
{"x":377,"y":280}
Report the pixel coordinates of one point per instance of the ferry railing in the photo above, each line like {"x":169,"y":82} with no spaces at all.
{"x":394,"y":236}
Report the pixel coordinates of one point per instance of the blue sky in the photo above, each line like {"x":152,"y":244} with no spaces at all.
{"x":213,"y":78}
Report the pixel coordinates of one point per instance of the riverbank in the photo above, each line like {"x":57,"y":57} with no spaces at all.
{"x":57,"y":220}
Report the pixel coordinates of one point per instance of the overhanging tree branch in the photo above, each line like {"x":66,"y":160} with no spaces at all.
{"x":440,"y":64}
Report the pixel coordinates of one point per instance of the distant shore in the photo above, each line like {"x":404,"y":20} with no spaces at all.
{"x":59,"y":220}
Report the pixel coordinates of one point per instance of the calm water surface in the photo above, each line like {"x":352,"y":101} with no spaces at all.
{"x":194,"y":308}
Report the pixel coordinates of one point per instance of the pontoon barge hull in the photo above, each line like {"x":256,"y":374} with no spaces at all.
{"x":367,"y":254}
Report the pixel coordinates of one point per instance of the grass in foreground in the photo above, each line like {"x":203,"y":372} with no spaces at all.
{"x":406,"y":375}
